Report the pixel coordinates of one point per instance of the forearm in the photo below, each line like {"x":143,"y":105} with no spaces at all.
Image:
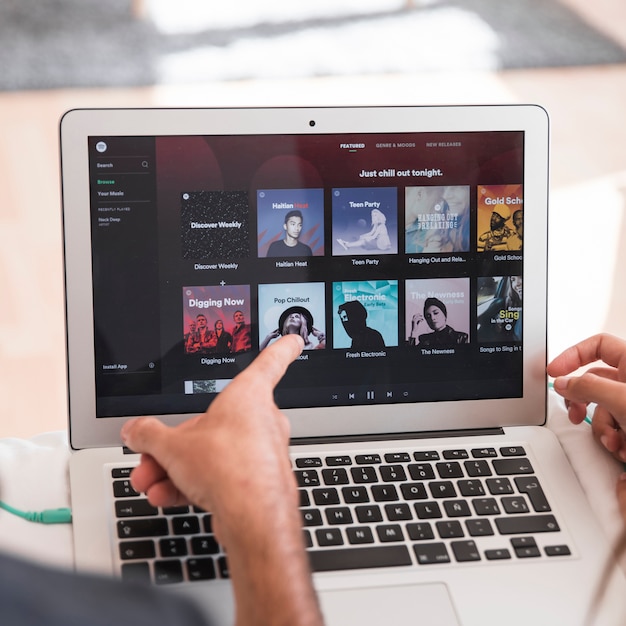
{"x":271,"y":576}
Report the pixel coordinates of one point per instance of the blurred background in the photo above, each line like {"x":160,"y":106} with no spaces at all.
{"x":566,"y":55}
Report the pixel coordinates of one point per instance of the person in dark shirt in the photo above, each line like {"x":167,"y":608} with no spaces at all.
{"x":242,"y":333}
{"x":353,"y":316}
{"x":436,"y":316}
{"x":291,"y":244}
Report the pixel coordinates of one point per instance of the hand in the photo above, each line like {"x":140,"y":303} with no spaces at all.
{"x":318,"y":334}
{"x":233,"y":461}
{"x":217,"y":459}
{"x":417,"y":319}
{"x":604,"y":385}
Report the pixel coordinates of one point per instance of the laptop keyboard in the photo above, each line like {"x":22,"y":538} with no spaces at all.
{"x":402,"y":508}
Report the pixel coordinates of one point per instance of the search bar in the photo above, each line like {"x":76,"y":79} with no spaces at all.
{"x":123,"y":165}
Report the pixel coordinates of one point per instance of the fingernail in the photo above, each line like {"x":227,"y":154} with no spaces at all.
{"x":561,"y":383}
{"x":604,"y":440}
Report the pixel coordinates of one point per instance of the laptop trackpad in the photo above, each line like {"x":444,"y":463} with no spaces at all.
{"x":400,"y":605}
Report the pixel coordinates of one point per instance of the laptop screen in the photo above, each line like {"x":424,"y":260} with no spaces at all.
{"x":398,"y":257}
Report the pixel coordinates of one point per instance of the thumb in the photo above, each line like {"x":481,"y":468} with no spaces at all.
{"x":147,"y":435}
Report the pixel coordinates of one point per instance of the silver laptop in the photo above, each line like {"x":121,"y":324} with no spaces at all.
{"x":409,"y":245}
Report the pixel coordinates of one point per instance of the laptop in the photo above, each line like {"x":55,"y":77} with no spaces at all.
{"x":409,"y":245}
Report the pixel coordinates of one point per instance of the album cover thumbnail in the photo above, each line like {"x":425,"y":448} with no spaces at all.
{"x":365,"y":314}
{"x":214,"y":225}
{"x":293,"y":308}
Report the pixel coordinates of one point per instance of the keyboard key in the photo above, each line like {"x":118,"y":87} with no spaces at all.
{"x":204,"y":545}
{"x":185,"y":526}
{"x":449,"y":470}
{"x":339,"y":515}
{"x":332,"y":461}
{"x":397,"y":457}
{"x":479,"y":527}
{"x":497,"y":555}
{"x":325,"y":497}
{"x":527,"y":524}
{"x":136,"y":572}
{"x":329,"y":537}
{"x":514,"y":504}
{"x":525,"y":547}
{"x":421,"y":471}
{"x":513,"y":451}
{"x":137,"y":550}
{"x":485,"y":506}
{"x":172,"y":547}
{"x":455,"y":454}
{"x":427,"y":510}
{"x":389,"y":533}
{"x":531,"y":487}
{"x":384,"y":493}
{"x":367,"y":459}
{"x":392,"y":473}
{"x":523,"y":542}
{"x":431,"y":553}
{"x":506,"y":467}
{"x":413,"y":491}
{"x":561,"y":550}
{"x":484,"y":453}
{"x":304,"y":498}
{"x":465,"y":551}
{"x":457,"y":508}
{"x":449,"y":529}
{"x":360,"y":534}
{"x":352,"y":495}
{"x":359,"y":558}
{"x":201,"y":569}
{"x":364,"y":474}
{"x":499,"y":486}
{"x":421,"y":531}
{"x":121,"y":472}
{"x":426,"y":455}
{"x":335,"y":476}
{"x":123,"y":489}
{"x":311,"y":517}
{"x":527,"y":553}
{"x":134,"y":508}
{"x":152,"y":527}
{"x":368,"y":514}
{"x":168,"y":572}
{"x":307,"y":462}
{"x":398,"y":512}
{"x":307,"y":478}
{"x":477,"y":468}
{"x":443,"y":489}
{"x":176,"y":510}
{"x":469,"y":488}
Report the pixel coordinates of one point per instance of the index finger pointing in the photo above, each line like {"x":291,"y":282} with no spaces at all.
{"x":272,"y":363}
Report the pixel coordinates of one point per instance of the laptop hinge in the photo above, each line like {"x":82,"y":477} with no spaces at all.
{"x":434,"y":434}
